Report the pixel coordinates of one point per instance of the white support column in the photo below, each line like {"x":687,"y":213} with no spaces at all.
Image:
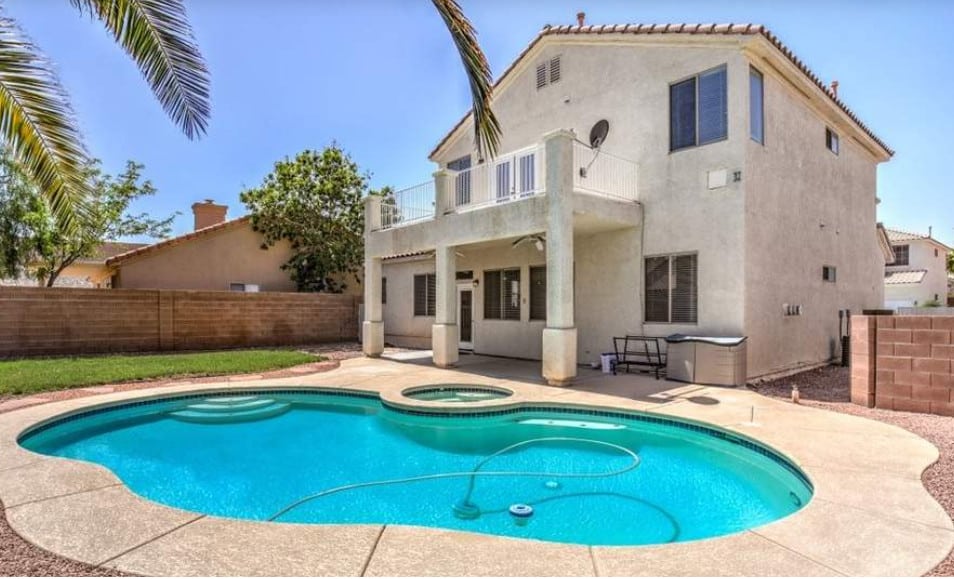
{"x":443,"y":192}
{"x":372,"y":330}
{"x":444,"y":333}
{"x":559,"y":336}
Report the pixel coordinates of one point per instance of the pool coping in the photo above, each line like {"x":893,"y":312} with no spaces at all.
{"x":870,"y":514}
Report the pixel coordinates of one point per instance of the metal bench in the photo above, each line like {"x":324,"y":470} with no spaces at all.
{"x":640,"y":351}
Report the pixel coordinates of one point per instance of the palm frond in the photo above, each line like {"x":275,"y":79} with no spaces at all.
{"x":36,"y":122}
{"x":156,"y":34}
{"x":486,"y":128}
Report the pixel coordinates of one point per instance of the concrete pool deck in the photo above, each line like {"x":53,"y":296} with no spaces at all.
{"x":870,"y":514}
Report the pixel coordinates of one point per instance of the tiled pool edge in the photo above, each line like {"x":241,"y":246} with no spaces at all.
{"x":735,"y":552}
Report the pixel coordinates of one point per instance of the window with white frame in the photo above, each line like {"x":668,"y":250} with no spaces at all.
{"x":671,"y":292}
{"x":829,"y":273}
{"x":901,"y":254}
{"x":502,"y":294}
{"x":756,"y":106}
{"x":425,"y":294}
{"x":831,"y":140}
{"x":698,"y":110}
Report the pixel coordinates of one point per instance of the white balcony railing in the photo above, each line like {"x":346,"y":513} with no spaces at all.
{"x":509,"y":177}
{"x":600,"y":173}
{"x":408,"y":206}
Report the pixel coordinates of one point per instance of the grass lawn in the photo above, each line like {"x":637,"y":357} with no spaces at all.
{"x":41,"y":374}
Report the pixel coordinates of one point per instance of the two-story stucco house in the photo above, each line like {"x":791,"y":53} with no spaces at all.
{"x":733,"y":194}
{"x":918,"y":274}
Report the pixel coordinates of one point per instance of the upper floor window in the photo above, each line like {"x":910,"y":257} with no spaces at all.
{"x":461,"y":180}
{"x":698,"y":110}
{"x":829,"y":273}
{"x":901,"y":255}
{"x":672,"y":289}
{"x":756,"y":110}
{"x":548,"y":72}
{"x":831,"y":140}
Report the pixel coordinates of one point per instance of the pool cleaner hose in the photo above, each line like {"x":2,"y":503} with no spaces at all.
{"x":465,"y":508}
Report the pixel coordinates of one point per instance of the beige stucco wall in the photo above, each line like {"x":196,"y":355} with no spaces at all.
{"x":922,"y":254}
{"x":210,"y":262}
{"x":805,"y":207}
{"x":628,"y":84}
{"x":606,"y":304}
{"x":761,"y":240}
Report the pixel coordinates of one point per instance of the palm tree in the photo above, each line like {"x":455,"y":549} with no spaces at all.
{"x":36,"y":119}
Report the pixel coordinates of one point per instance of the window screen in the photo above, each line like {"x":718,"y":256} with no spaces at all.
{"x":698,"y":110}
{"x":756,"y":110}
{"x":901,"y":254}
{"x":425,"y":294}
{"x":502,"y":294}
{"x":672,"y":289}
{"x":538,"y":293}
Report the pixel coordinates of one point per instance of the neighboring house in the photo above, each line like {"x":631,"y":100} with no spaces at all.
{"x":90,"y":272}
{"x":918,"y":274}
{"x":219,"y":254}
{"x":734,"y":194}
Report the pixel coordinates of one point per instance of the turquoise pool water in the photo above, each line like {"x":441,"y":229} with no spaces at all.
{"x":256,"y":455}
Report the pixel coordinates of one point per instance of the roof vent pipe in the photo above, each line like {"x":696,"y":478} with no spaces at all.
{"x":580,"y":18}
{"x":834,"y":88}
{"x":930,"y":230}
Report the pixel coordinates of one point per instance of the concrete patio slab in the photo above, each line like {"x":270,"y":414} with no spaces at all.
{"x":214,"y":546}
{"x":869,"y":515}
{"x":405,"y":551}
{"x":95,"y":526}
{"x":743,"y":554}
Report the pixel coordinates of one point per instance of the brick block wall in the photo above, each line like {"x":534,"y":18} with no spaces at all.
{"x":907,"y":363}
{"x":51,"y":321}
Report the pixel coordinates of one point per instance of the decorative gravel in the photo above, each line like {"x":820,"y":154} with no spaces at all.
{"x":828,"y":388}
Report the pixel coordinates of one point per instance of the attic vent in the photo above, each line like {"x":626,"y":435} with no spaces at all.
{"x":554,"y":69}
{"x":548,"y":72}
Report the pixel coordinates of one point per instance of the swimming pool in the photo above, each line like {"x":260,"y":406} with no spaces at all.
{"x":553,"y":474}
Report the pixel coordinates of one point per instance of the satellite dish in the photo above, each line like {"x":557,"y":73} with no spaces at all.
{"x":598,"y":133}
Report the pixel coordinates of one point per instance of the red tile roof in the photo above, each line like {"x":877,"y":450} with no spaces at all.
{"x":724,"y":29}
{"x":115,"y":260}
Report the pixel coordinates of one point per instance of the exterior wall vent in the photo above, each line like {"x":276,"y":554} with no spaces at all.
{"x":548,"y":72}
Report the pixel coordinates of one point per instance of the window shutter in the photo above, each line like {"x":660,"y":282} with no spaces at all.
{"x":538,"y":293}
{"x":431,"y":294}
{"x":657,"y":289}
{"x":420,"y":295}
{"x":492,"y":295}
{"x":526,"y":179}
{"x":541,"y":75}
{"x":511,"y":294}
{"x":682,"y":114}
{"x":756,"y":110}
{"x":684,"y":289}
{"x":554,"y":69}
{"x":503,"y":180}
{"x":713,"y":110}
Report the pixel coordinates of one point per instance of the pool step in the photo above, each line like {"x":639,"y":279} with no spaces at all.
{"x":231,"y":409}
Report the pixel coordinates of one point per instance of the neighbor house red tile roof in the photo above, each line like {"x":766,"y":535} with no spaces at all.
{"x":898,"y":236}
{"x":166,"y":243}
{"x":909,"y":276}
{"x":723,"y":29}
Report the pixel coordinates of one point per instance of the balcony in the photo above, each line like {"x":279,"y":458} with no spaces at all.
{"x":512,"y":177}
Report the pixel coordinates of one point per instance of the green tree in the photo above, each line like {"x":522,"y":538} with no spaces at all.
{"x":36,"y":120}
{"x":313,"y":201}
{"x":34,"y":242}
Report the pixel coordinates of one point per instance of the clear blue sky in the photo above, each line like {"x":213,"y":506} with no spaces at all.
{"x":382,"y":79}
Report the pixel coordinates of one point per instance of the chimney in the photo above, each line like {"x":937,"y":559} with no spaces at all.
{"x":580,"y":18}
{"x":207,"y":213}
{"x":834,"y":88}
